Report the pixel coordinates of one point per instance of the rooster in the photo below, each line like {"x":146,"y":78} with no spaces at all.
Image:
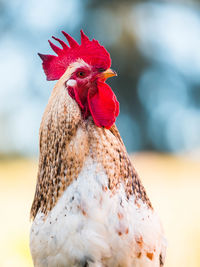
{"x":90,"y":207}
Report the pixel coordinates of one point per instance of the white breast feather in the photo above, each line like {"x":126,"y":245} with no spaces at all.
{"x":85,"y":224}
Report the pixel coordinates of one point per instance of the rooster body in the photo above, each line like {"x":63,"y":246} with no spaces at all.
{"x":90,"y":208}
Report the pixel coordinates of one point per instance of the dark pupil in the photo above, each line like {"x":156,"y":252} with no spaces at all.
{"x":81,"y":73}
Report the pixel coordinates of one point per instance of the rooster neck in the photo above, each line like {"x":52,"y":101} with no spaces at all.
{"x":66,"y":140}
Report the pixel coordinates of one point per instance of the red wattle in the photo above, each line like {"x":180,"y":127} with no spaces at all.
{"x":103,"y":105}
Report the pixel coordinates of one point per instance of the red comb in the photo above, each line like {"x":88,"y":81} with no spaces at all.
{"x":90,"y":51}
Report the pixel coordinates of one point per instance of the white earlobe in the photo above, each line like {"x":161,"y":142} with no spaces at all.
{"x":71,"y":83}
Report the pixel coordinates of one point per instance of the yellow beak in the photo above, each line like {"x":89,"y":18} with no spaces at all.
{"x":107,"y":74}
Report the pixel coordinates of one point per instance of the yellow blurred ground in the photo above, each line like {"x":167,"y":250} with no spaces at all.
{"x":172,"y":183}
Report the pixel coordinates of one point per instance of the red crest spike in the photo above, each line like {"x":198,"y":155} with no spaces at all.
{"x":89,"y":51}
{"x":64,"y":45}
{"x":55,"y":48}
{"x":84,"y":38}
{"x":70,"y":40}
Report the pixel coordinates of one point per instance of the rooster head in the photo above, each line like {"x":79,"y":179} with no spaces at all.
{"x":84,"y":69}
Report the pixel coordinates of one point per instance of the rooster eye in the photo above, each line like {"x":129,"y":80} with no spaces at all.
{"x":81,"y":74}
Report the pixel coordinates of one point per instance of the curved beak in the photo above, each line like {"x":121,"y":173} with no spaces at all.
{"x":107,"y":74}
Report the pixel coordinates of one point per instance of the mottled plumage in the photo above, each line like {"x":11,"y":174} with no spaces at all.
{"x":90,"y":207}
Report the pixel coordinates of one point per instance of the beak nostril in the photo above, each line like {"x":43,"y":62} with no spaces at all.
{"x":101,"y":69}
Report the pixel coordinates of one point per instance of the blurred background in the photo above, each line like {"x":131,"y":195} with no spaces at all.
{"x":155,"y":49}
